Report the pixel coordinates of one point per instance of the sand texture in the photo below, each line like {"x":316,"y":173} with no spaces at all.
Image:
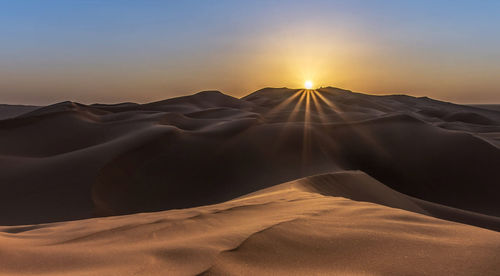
{"x":282,"y":181}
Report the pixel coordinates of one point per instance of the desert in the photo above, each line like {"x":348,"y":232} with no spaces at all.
{"x":278,"y":182}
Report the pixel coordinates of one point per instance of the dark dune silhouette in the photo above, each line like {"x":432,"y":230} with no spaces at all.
{"x":10,"y":111}
{"x":414,"y":162}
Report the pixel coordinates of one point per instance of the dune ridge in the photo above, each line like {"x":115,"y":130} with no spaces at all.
{"x":73,"y":161}
{"x":298,"y":227}
{"x":358,"y":186}
{"x":279,"y":182}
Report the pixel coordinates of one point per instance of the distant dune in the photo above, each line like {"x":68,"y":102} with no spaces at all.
{"x":10,"y":111}
{"x":303,"y":181}
{"x":495,"y":107}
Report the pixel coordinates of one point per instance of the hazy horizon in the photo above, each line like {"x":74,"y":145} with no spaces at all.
{"x":188,"y":93}
{"x":118,"y":51}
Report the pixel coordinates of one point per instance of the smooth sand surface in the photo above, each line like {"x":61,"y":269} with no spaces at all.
{"x":73,"y":161}
{"x":8,"y":111}
{"x":323,"y":181}
{"x":288,"y":229}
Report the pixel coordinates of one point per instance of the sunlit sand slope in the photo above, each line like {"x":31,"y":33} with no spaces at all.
{"x":293,"y":228}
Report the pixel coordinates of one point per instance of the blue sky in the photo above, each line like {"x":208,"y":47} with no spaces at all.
{"x":109,"y":51}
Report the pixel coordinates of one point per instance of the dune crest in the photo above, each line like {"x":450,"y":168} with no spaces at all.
{"x":282,"y":181}
{"x":296,"y":227}
{"x":73,"y":161}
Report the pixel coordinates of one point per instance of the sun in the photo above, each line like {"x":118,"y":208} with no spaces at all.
{"x":308,"y":84}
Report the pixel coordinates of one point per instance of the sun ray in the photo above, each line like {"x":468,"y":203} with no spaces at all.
{"x":296,"y":109}
{"x":291,"y":118}
{"x":284,"y":104}
{"x":318,"y":107}
{"x":307,"y":114}
{"x":328,"y":102}
{"x":325,"y":145}
{"x":276,"y":109}
{"x":306,"y":143}
{"x":363,"y":134}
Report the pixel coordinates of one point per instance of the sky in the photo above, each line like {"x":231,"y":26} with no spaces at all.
{"x":112,"y":51}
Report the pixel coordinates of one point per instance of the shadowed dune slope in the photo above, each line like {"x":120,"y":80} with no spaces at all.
{"x":358,"y":186}
{"x":73,"y":161}
{"x":8,"y":111}
{"x":300,"y":227}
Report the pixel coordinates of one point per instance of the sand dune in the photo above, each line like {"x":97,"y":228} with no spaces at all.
{"x":293,"y":228}
{"x":393,"y":185}
{"x":210,"y":147}
{"x":10,"y":111}
{"x":358,"y":186}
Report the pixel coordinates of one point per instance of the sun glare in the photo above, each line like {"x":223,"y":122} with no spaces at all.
{"x":308,"y":84}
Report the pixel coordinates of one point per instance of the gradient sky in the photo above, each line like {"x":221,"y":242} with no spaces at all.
{"x":120,"y":50}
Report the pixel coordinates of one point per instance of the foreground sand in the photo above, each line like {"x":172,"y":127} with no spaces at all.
{"x":289,"y":229}
{"x":305,"y":182}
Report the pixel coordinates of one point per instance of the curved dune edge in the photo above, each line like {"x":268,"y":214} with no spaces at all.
{"x":299,"y":227}
{"x":72,"y":161}
{"x":357,"y":185}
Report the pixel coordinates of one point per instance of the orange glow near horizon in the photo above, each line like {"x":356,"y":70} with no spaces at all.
{"x":343,"y":61}
{"x":239,"y":47}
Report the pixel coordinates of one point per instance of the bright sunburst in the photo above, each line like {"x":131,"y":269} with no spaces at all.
{"x":308,"y":84}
